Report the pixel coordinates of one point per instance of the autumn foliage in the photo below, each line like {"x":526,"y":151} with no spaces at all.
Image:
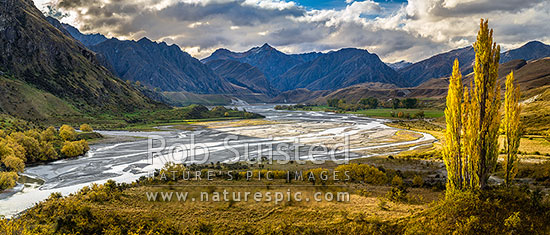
{"x":473,"y":120}
{"x":511,"y":126}
{"x":86,"y":128}
{"x":75,"y":148}
{"x":67,"y":133}
{"x":19,"y":148}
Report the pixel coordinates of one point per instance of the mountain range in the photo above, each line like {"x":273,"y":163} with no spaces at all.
{"x":314,"y":71}
{"x":158,"y":65}
{"x":263,"y":72}
{"x":441,"y":65}
{"x":269,"y":60}
{"x":533,"y":77}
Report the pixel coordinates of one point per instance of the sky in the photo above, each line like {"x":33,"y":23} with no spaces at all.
{"x":394,"y":29}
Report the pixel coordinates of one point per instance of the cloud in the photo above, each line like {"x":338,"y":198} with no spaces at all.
{"x":410,"y":31}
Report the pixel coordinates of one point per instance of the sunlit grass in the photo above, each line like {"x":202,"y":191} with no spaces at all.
{"x":386,"y":113}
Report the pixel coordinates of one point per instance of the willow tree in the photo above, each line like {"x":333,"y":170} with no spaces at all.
{"x":511,"y":128}
{"x":452,"y":151}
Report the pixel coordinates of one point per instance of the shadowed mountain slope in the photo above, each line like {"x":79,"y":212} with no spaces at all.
{"x":49,"y":62}
{"x":338,"y":69}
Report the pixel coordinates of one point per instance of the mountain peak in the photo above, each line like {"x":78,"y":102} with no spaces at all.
{"x":266,"y":46}
{"x":534,"y":43}
{"x":221,"y":50}
{"x":144,"y":39}
{"x":530,"y":51}
{"x":351,"y":49}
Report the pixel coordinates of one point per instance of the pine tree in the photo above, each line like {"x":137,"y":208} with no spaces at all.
{"x":452,"y":152}
{"x":511,"y":128}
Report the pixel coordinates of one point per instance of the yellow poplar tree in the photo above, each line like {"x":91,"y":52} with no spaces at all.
{"x":511,"y":128}
{"x":484,"y":105}
{"x":468,"y":167}
{"x":452,"y":152}
{"x":473,"y":119}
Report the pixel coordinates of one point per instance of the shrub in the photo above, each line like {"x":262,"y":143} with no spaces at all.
{"x":8,"y":180}
{"x":9,"y":146}
{"x":397,"y":181}
{"x":361,"y":173}
{"x":47,"y":151}
{"x":398,"y":194}
{"x":67,"y":133}
{"x":30,"y":144}
{"x":318,"y":175}
{"x":49,"y":134}
{"x":418,"y":181}
{"x":419,"y":115}
{"x":75,"y":148}
{"x":13,"y":163}
{"x":400,"y":115}
{"x":498,"y":211}
{"x":86,"y":128}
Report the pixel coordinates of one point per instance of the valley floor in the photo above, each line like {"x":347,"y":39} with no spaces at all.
{"x":406,"y":197}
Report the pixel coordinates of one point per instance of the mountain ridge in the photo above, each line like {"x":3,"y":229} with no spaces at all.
{"x":529,"y":51}
{"x":160,"y":66}
{"x":439,"y":65}
{"x":338,"y":69}
{"x":269,"y":60}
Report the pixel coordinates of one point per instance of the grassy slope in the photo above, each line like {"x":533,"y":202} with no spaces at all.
{"x":536,"y":110}
{"x":386,"y":113}
{"x":22,"y":100}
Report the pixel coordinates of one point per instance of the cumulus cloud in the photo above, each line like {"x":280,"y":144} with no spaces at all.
{"x":410,"y":31}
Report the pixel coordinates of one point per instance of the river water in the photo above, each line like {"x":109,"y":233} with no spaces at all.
{"x":127,"y":161}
